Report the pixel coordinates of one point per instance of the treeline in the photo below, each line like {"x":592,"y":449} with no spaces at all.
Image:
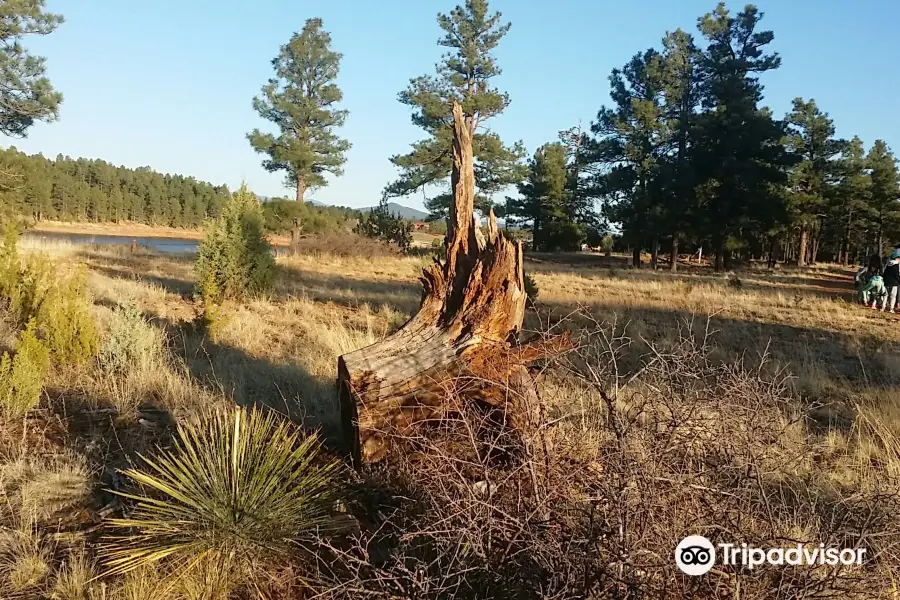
{"x":67,"y":189}
{"x":686,"y":157}
{"x":96,"y":191}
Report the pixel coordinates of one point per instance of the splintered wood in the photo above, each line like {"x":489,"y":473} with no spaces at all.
{"x":463,"y":340}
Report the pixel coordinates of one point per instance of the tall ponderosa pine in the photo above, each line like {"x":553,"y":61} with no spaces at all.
{"x":26,"y":95}
{"x":300,"y":100}
{"x":849,"y":208}
{"x":680,"y":98}
{"x":543,"y":202}
{"x":739,"y":152}
{"x":464,"y":74}
{"x":630,"y":136}
{"x":884,"y":196}
{"x":811,"y":138}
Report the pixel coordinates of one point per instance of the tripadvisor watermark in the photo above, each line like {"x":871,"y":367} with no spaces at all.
{"x":696,"y":555}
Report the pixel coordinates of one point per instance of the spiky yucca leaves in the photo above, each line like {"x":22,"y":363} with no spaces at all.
{"x":240,"y":489}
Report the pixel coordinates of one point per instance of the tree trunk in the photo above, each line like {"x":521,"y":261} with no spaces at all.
{"x":301,"y":188}
{"x":636,"y":257}
{"x":654,"y":256}
{"x":720,"y":255}
{"x":674,"y":266}
{"x":814,"y":252}
{"x":295,"y":237}
{"x":773,"y":246}
{"x":801,"y":253}
{"x":461,"y":344}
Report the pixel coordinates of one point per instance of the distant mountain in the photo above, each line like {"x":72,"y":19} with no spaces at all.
{"x":398,"y":210}
{"x":404,"y":212}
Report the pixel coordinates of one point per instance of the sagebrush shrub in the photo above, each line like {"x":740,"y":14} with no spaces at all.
{"x":22,"y":376}
{"x":131,"y":341}
{"x":234,"y":260}
{"x":66,"y":323}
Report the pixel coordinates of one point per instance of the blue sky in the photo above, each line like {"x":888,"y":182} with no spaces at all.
{"x":169,"y":83}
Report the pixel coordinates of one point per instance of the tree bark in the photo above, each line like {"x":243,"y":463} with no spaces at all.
{"x":801,"y":253}
{"x":461,"y":344}
{"x":720,"y":255}
{"x":301,"y":188}
{"x":636,"y":256}
{"x":674,"y":265}
{"x":654,"y":255}
{"x":295,"y":236}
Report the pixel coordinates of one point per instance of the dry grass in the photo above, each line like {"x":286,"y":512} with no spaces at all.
{"x":826,"y":437}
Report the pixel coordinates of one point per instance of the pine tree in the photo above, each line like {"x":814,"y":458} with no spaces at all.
{"x":300,"y":100}
{"x":884,"y":195}
{"x":464,"y":74}
{"x":543,"y":205}
{"x":849,"y":206}
{"x":630,"y":143}
{"x":26,"y":95}
{"x":680,"y":99}
{"x":811,"y":138}
{"x":740,"y":160}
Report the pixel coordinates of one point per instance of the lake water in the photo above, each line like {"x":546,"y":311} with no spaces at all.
{"x":174,"y":245}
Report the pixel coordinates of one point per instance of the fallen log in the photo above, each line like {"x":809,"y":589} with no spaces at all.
{"x":463,"y":340}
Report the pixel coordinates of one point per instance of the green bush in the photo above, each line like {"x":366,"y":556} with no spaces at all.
{"x":131,"y":341}
{"x":240,"y":488}
{"x":234,"y":259}
{"x":437,"y":227}
{"x":23,"y":284}
{"x":531,"y":288}
{"x":65,"y":321}
{"x":22,"y":376}
{"x":381,"y":224}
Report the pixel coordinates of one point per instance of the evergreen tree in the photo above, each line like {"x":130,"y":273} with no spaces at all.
{"x":543,"y":205}
{"x":464,"y":74}
{"x":680,"y":99}
{"x":849,"y":208}
{"x":234,"y":260}
{"x":884,"y":194}
{"x":811,"y":138}
{"x":26,"y":95}
{"x":739,"y":155}
{"x":380,"y":224}
{"x":630,"y":143}
{"x":300,"y":100}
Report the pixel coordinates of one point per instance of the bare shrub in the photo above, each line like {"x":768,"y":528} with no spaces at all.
{"x":347,"y":245}
{"x":685,"y":445}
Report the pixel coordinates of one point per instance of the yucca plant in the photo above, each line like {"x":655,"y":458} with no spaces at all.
{"x":240,"y":489}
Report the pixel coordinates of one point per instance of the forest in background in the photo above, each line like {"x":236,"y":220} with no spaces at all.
{"x":685,"y":156}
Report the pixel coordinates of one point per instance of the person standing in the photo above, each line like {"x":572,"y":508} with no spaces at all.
{"x":891,"y":278}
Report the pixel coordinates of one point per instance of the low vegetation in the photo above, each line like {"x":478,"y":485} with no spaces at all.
{"x":234,"y":260}
{"x":656,"y":427}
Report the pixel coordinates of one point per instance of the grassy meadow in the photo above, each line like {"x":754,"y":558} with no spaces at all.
{"x":759,"y":406}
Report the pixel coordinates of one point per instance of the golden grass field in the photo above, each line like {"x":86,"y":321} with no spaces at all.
{"x":282,"y":350}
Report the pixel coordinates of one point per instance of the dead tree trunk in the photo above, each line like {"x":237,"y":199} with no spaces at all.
{"x":296,"y":232}
{"x":463,"y":337}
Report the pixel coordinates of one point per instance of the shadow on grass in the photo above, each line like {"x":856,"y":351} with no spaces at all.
{"x":287,"y":387}
{"x":401,"y":296}
{"x":831,"y":370}
{"x":141,"y":266}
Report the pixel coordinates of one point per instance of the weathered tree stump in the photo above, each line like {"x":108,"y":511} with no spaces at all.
{"x":464,"y":337}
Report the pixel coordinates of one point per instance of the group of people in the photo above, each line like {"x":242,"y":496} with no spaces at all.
{"x":878,"y":282}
